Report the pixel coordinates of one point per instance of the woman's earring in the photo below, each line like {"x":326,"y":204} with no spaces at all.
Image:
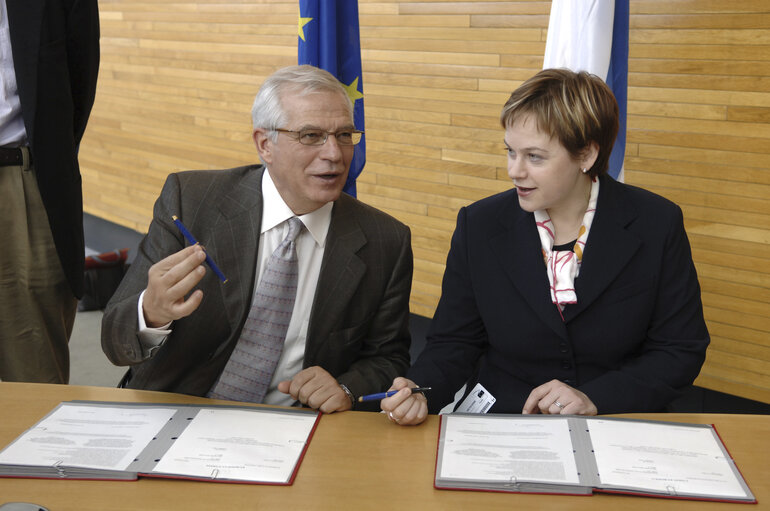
{"x":585,"y":171}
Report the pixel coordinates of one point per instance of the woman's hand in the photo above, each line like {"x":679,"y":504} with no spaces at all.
{"x":556,"y":397}
{"x":405,"y":408}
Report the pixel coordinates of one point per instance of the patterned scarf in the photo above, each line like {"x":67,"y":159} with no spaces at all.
{"x":563,"y":265}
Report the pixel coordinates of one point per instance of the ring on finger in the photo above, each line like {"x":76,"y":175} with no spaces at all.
{"x":392,"y":418}
{"x":559,"y":405}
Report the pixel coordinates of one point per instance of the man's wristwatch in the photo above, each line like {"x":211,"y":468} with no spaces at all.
{"x":348,"y":393}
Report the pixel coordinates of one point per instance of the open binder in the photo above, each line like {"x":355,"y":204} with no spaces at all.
{"x":114,"y":441}
{"x":576,"y":455}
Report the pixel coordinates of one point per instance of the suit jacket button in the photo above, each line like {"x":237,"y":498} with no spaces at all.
{"x":566,"y":365}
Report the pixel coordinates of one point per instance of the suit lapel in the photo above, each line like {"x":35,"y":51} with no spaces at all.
{"x":517,"y":248}
{"x":609,"y":248}
{"x":341,"y":273}
{"x":235,"y":241}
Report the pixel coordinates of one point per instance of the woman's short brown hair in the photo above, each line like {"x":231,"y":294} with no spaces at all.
{"x":576,"y":108}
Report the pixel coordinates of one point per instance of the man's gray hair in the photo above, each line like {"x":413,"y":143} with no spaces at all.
{"x":268,"y":112}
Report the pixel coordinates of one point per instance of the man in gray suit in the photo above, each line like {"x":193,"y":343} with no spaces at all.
{"x":177,"y":325}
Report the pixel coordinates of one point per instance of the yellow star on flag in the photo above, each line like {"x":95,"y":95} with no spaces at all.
{"x":352,"y":90}
{"x":302,"y":23}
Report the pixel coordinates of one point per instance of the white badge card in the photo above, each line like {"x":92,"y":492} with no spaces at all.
{"x":478,"y":401}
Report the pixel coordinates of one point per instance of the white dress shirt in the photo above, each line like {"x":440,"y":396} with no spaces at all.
{"x":12,"y":132}
{"x":310,"y":249}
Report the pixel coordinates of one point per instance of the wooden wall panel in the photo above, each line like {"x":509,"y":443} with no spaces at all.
{"x":691,"y":64}
{"x":178,"y":78}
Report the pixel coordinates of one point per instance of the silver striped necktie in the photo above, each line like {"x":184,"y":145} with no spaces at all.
{"x":248,"y":372}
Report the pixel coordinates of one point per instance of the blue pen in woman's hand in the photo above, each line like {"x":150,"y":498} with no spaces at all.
{"x":193,"y":241}
{"x":383,"y":395}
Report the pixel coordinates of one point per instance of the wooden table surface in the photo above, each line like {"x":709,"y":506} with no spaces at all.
{"x":356,"y":460}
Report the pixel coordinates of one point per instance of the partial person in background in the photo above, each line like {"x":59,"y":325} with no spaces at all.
{"x":316,"y":306}
{"x":570,"y":294}
{"x":50,"y":60}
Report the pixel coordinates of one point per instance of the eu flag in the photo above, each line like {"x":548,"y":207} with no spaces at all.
{"x":329,"y":39}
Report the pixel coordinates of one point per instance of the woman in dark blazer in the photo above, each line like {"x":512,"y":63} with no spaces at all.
{"x":570,"y":294}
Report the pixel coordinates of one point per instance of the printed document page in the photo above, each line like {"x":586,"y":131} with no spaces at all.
{"x":662,"y":457}
{"x":76,"y":435}
{"x":248,"y":445}
{"x":508,"y":449}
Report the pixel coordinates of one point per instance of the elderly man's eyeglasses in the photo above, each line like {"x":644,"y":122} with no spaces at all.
{"x":312,"y":136}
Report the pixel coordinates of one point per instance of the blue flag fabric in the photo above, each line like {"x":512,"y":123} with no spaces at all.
{"x":617,"y":80}
{"x":328,"y":38}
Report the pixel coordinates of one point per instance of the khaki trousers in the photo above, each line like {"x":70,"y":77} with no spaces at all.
{"x":37,"y":307}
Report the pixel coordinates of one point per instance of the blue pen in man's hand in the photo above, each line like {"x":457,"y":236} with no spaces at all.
{"x":383,"y":395}
{"x":193,"y":241}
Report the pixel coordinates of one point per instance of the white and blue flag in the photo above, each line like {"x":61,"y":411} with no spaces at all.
{"x":592,"y":35}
